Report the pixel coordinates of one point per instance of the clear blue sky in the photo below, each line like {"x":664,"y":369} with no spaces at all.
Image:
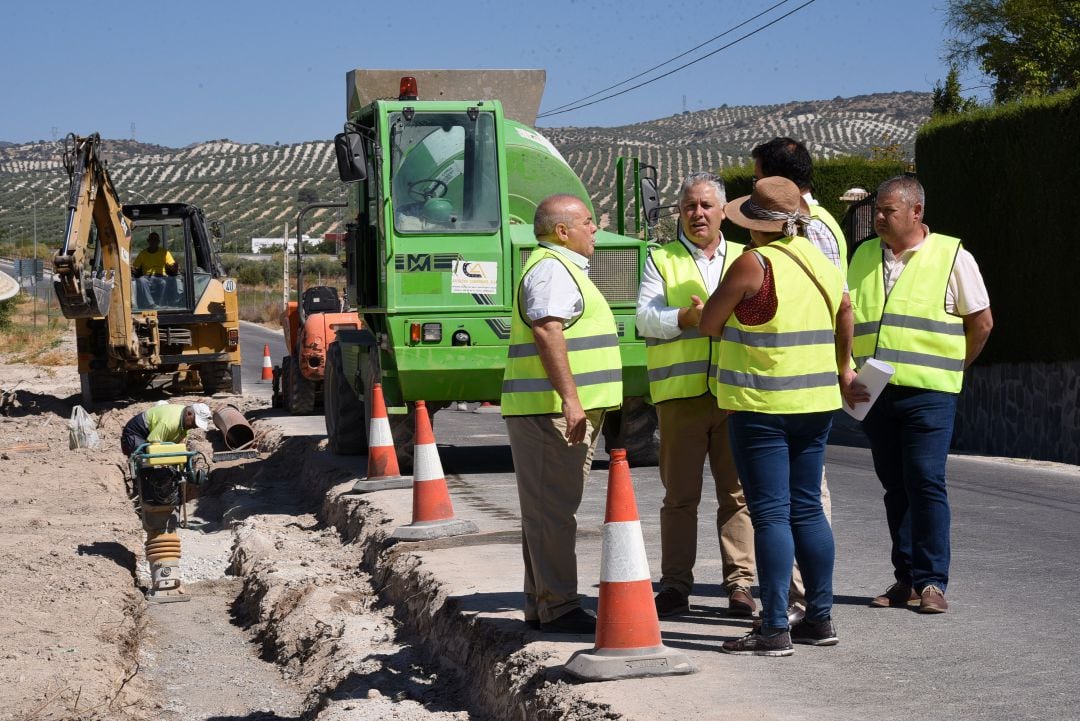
{"x":274,"y":71}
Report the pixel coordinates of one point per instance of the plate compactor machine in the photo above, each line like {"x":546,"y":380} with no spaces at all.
{"x":165,"y":476}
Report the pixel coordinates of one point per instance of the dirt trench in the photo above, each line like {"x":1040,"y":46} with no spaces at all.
{"x":301,"y":608}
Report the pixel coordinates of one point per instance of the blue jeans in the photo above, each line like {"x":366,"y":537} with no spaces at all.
{"x":780,"y":460}
{"x":910,"y":430}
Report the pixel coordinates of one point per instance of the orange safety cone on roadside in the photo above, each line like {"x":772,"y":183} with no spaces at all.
{"x":268,"y":366}
{"x":433,"y":513}
{"x":383,"y":471}
{"x":628,"y":643}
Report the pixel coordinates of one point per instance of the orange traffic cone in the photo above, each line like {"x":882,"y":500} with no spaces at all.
{"x":268,"y":366}
{"x":433,"y":514}
{"x":628,"y":643}
{"x":382,"y":466}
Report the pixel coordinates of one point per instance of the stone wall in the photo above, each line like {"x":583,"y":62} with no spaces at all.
{"x":1028,"y":410}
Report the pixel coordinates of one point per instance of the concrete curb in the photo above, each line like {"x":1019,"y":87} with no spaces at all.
{"x":506,"y":678}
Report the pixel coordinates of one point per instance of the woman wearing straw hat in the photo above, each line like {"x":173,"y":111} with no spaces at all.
{"x":785,"y":350}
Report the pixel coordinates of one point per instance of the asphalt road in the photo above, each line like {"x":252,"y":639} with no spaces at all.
{"x":1004,"y":651}
{"x":253,"y":337}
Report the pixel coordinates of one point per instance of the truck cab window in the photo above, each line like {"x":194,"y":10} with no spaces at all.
{"x":444,"y":175}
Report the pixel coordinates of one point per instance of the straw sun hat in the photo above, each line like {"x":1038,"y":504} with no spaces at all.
{"x":775,"y":205}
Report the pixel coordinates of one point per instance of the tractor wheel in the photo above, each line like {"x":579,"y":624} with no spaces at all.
{"x":346,"y":426}
{"x":215,"y":377}
{"x":634,"y":428}
{"x":300,"y":392}
{"x":402,"y":427}
{"x":103,"y":385}
{"x":285,"y":375}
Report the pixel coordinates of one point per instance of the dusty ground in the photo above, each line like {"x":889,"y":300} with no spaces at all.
{"x":283,"y":624}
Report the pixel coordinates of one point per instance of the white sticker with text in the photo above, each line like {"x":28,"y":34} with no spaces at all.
{"x":471,"y":276}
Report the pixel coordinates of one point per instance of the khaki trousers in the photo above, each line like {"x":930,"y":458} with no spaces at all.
{"x":691,"y":430}
{"x":551,"y":479}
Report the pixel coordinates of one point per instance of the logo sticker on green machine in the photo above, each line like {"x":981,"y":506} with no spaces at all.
{"x":475,"y":277}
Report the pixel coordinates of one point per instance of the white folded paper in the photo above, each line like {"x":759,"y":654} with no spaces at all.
{"x":874,"y":375}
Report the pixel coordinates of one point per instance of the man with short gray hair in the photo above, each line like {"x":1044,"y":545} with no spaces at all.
{"x":678,"y":277}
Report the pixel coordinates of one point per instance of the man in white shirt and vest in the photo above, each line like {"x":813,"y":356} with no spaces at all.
{"x":920,"y":305}
{"x":788,"y":158}
{"x":677,"y":279}
{"x":563,"y":373}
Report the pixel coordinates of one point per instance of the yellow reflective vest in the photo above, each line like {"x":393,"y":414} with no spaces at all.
{"x":166,"y":423}
{"x":788,"y":364}
{"x":683,"y":366}
{"x":909,"y":328}
{"x":592,"y":348}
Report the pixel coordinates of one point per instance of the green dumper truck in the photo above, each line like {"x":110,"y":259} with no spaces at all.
{"x":442,"y":193}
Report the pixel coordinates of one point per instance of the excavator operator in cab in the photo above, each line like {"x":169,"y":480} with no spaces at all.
{"x":155,"y":271}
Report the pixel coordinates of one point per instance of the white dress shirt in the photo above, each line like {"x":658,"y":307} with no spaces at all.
{"x":966,"y":292}
{"x":655,"y":318}
{"x":550,"y":291}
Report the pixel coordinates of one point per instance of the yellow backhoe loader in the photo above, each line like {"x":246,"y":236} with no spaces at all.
{"x":168,"y":310}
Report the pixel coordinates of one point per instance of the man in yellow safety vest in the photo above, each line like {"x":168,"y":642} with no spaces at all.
{"x":563,"y":372}
{"x":678,"y":277}
{"x":920,"y":305}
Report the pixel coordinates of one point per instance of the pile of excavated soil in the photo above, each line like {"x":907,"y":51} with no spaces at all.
{"x":71,"y":606}
{"x":282,"y":623}
{"x":69,"y":609}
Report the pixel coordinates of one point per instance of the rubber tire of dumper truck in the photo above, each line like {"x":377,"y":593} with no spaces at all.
{"x":346,"y":425}
{"x":635,"y":428}
{"x":102,"y":385}
{"x":281,"y":383}
{"x":402,"y":426}
{"x":215,"y":377}
{"x":300,"y":392}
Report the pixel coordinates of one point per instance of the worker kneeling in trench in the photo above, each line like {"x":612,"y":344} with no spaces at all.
{"x":163,"y":470}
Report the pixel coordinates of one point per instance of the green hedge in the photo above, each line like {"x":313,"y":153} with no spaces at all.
{"x":831,"y":179}
{"x":1006,"y":180}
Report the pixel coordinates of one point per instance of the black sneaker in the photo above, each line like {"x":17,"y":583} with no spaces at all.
{"x":671,"y":602}
{"x":815,"y":633}
{"x":577,"y":621}
{"x":756,"y":643}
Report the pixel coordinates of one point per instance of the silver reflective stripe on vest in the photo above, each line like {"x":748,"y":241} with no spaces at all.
{"x":688,"y":334}
{"x":789,"y":339}
{"x":870,"y":326}
{"x":676,"y":370}
{"x":772,"y":383}
{"x":591,"y":342}
{"x":917,"y":323}
{"x":543,"y":385}
{"x":919,"y":359}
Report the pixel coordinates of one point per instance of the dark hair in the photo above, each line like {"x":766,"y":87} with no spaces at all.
{"x":787,"y":158}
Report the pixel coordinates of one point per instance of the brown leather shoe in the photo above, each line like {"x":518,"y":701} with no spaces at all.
{"x":933,"y":600}
{"x":741,"y":603}
{"x":898,"y":595}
